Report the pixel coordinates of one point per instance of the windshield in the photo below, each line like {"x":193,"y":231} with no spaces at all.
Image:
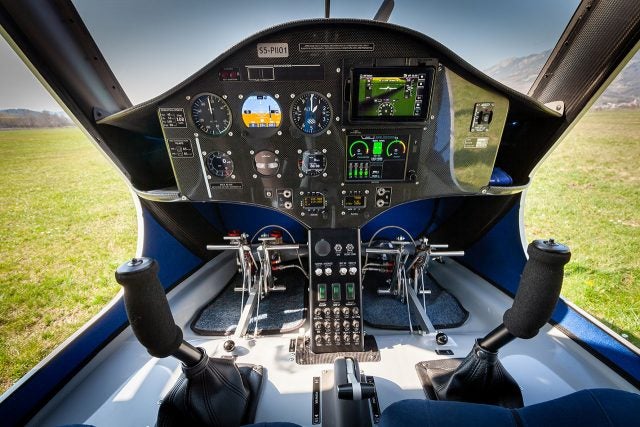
{"x":152,"y":45}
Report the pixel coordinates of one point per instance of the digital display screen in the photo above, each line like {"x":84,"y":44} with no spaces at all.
{"x":376,"y":158}
{"x":261,"y":111}
{"x":399,"y":94}
{"x":313,"y":201}
{"x":355,"y":201}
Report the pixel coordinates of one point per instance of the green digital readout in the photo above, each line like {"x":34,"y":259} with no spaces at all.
{"x":377,"y":148}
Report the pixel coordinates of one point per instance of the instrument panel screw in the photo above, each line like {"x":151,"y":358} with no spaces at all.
{"x":417,"y":182}
{"x":233,"y":177}
{"x":324,"y":150}
{"x":329,"y":132}
{"x":204,"y":153}
{"x":329,"y":95}
{"x":338,"y":70}
{"x":343,"y":213}
{"x":324,"y":175}
{"x":229,"y":152}
{"x":302,"y":193}
{"x":293,"y":95}
{"x":251,"y":152}
{"x":208,"y":176}
{"x":224,"y":96}
{"x":279,"y":175}
{"x":366,"y":191}
{"x":342,"y":184}
{"x":301,"y":213}
{"x":255,"y":176}
{"x":184,"y":197}
{"x":240,"y":96}
{"x":230,"y":133}
{"x":337,"y":119}
{"x":188,"y":97}
{"x":344,"y":192}
{"x":277,"y":151}
{"x":277,"y":95}
{"x":433,"y":117}
{"x":300,"y":175}
{"x":279,"y":133}
{"x":299,"y":151}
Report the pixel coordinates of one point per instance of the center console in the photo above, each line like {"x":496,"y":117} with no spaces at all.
{"x":335,"y":290}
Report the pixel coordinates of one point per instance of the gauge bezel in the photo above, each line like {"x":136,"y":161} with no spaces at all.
{"x":299,"y":96}
{"x":195,"y":124}
{"x":261,"y":132}
{"x":315,"y":152}
{"x":218,"y":154}
{"x":255,"y":167}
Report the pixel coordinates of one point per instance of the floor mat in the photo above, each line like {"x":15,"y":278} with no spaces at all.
{"x":387,"y":312}
{"x":304,"y":356}
{"x":280,"y":312}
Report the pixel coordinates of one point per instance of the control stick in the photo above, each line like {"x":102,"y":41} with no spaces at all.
{"x":211,"y":392}
{"x":149,"y":313}
{"x":480,"y":377}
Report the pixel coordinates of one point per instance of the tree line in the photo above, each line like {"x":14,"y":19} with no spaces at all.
{"x":23,"y":118}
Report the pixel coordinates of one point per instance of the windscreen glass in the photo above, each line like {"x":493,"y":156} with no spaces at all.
{"x":152,"y":45}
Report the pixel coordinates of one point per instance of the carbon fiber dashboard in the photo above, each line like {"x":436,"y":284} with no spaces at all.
{"x":448,"y":147}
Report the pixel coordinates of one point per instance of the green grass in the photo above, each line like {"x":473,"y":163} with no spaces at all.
{"x":587,"y":195}
{"x":66,"y":222}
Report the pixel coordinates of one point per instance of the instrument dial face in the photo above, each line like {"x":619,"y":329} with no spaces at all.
{"x":219,"y":164}
{"x":211,"y":114}
{"x":311,"y":113}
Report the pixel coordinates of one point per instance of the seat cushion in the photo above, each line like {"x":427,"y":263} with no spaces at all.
{"x":275,"y":424}
{"x":598,"y":407}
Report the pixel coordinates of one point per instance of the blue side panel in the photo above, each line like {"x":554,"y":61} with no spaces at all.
{"x":175,"y":262}
{"x":249,"y":218}
{"x":499,"y":257}
{"x":174,"y":259}
{"x":412,"y":216}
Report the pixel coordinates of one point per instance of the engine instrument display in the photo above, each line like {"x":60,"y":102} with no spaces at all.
{"x":399,"y":94}
{"x":211,"y":114}
{"x":311,"y":113}
{"x":312,"y":162}
{"x":261,"y":111}
{"x":376,"y":157}
{"x":220,"y":164}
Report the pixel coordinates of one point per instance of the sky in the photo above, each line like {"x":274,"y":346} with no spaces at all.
{"x":152,"y":45}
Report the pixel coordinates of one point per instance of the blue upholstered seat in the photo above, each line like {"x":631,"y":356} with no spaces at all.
{"x":598,"y":407}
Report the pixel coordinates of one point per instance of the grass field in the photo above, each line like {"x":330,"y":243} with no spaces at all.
{"x":67,"y":221}
{"x":587,"y":195}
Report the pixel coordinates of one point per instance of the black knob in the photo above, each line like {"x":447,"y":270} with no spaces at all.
{"x":441,"y":338}
{"x":229,"y":345}
{"x":322,"y":247}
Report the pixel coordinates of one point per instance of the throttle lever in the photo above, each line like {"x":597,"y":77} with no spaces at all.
{"x":354,"y":389}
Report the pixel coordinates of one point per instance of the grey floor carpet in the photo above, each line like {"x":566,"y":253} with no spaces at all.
{"x":387,"y":312}
{"x":280,"y":312}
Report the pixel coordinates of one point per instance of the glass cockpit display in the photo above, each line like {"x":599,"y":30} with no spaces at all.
{"x":261,"y":111}
{"x":398,"y":94}
{"x":376,"y":157}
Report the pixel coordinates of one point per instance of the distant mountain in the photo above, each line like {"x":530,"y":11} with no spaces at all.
{"x":520,"y":73}
{"x":23,"y":118}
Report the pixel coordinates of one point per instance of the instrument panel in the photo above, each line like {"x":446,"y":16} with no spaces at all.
{"x":331,"y":134}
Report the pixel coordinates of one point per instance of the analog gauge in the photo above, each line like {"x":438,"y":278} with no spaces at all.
{"x":211,"y":114}
{"x":261,"y":111}
{"x":312,"y":162}
{"x":219,"y":164}
{"x":267,"y":163}
{"x":311,"y":113}
{"x":385,"y":109}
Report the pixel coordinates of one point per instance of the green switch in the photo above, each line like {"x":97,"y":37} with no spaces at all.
{"x":351,"y":291}
{"x":335,"y":290}
{"x":322,"y":292}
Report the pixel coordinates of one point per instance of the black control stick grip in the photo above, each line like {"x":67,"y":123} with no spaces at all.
{"x":539,"y":288}
{"x":148,"y":308}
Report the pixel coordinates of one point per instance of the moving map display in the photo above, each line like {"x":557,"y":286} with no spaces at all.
{"x":391,"y":93}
